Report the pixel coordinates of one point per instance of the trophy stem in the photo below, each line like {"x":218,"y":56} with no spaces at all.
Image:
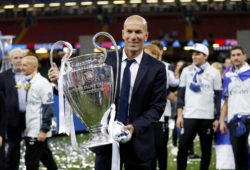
{"x":98,"y":136}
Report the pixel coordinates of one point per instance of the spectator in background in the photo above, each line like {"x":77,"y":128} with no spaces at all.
{"x":236,"y":108}
{"x":219,"y":67}
{"x":2,"y":131}
{"x":173,"y":80}
{"x":10,"y":83}
{"x":155,"y":49}
{"x":161,"y":127}
{"x":198,"y":106}
{"x":191,"y":154}
{"x":228,"y":64}
{"x":39,"y":112}
{"x":223,"y":147}
{"x":177,"y":72}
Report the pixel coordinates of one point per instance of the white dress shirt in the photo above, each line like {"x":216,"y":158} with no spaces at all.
{"x":133,"y":71}
{"x":19,"y":79}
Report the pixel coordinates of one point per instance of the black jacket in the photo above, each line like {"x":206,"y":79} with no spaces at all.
{"x":2,"y":115}
{"x":7,"y":86}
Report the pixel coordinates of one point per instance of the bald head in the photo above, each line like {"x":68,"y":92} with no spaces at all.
{"x":29,"y":65}
{"x":136,"y":19}
{"x":134,"y":34}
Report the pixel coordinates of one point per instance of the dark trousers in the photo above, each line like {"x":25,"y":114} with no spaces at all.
{"x":191,"y":127}
{"x":103,"y":158}
{"x":175,"y":137}
{"x":239,"y":145}
{"x":161,"y":141}
{"x":36,"y":151}
{"x":130,"y":160}
{"x":2,"y":156}
{"x":14,"y":139}
{"x":175,"y":134}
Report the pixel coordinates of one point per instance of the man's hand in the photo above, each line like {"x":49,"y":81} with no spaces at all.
{"x":41,"y":136}
{"x":223,"y":127}
{"x":1,"y":141}
{"x":215,"y":125}
{"x":25,"y":132}
{"x":130,"y":128}
{"x":172,"y":97}
{"x":179,"y":122}
{"x":53,"y":74}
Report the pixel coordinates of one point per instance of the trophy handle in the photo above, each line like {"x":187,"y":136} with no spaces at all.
{"x":66,"y":55}
{"x":105,"y":55}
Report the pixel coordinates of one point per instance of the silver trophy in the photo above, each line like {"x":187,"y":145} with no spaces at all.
{"x":5,"y":45}
{"x":89,"y":88}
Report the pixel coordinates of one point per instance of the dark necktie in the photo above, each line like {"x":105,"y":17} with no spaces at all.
{"x":123,"y":104}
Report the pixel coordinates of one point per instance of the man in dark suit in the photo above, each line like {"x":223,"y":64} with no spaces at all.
{"x":10,"y":81}
{"x":145,"y":100}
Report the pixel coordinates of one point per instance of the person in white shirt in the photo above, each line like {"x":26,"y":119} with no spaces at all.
{"x":198,"y":106}
{"x":236,"y":107}
{"x":155,"y":49}
{"x":39,"y":112}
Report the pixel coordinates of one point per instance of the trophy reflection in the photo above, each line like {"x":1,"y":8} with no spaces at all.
{"x":5,"y":46}
{"x":88,"y":87}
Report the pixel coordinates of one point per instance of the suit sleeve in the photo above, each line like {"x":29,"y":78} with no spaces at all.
{"x":1,"y":82}
{"x":47,"y":106}
{"x":156,"y":105}
{"x":2,"y":114}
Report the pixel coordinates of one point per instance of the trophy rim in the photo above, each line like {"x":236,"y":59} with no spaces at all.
{"x":84,"y":55}
{"x":7,"y":36}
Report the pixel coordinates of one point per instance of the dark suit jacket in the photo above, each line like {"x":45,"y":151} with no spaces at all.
{"x":7,"y":86}
{"x":2,"y":115}
{"x":147,"y":104}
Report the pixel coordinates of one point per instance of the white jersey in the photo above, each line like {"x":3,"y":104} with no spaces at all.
{"x":173,"y":82}
{"x":200,"y":105}
{"x":238,"y":93}
{"x":40,"y":93}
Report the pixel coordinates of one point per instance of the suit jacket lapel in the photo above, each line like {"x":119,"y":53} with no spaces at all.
{"x":140,"y":74}
{"x":12,"y":81}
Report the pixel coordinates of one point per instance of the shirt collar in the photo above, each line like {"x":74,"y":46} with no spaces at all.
{"x":137,"y":58}
{"x":203,"y":66}
{"x":244,"y":68}
{"x":31,"y":76}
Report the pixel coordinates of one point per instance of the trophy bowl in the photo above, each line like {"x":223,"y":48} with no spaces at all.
{"x":88,"y":87}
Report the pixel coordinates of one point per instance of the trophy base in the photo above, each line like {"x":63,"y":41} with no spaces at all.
{"x":97,"y":138}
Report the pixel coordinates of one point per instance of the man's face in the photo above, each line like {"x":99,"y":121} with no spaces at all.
{"x":16,"y":60}
{"x":27,"y":67}
{"x":134,"y":34}
{"x":179,"y":65}
{"x":199,"y":58}
{"x":237,"y":58}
